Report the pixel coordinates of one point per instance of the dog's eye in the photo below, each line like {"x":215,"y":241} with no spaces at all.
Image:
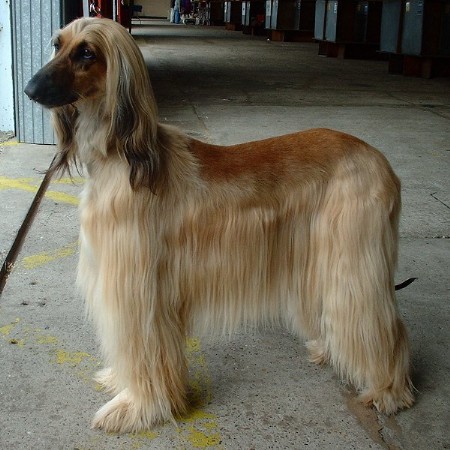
{"x":56,"y":46}
{"x":87,"y":54}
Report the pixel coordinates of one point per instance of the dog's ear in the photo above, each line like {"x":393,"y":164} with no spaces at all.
{"x":63,"y":119}
{"x":134,"y":117}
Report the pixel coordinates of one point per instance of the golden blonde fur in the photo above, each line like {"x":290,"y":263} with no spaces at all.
{"x":179,"y":235}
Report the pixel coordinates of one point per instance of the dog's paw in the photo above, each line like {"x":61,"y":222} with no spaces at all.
{"x":107,"y":380}
{"x":389,"y":401}
{"x":119,"y":415}
{"x":125,"y":415}
{"x":317,"y":353}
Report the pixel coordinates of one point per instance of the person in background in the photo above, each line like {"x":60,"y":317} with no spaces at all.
{"x":94,"y":10}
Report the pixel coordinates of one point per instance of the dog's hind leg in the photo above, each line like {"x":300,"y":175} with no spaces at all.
{"x":361,"y":331}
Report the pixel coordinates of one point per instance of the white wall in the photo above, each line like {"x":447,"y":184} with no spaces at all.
{"x":154,"y":8}
{"x":6,"y":73}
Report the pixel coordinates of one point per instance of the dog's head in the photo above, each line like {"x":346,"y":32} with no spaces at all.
{"x":77,"y":70}
{"x":97,"y":66}
{"x":92,"y":59}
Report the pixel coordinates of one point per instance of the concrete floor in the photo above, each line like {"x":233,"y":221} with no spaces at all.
{"x":256,"y":391}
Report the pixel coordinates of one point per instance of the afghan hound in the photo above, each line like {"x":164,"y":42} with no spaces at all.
{"x":180,"y":235}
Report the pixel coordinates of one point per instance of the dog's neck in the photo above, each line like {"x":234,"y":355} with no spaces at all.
{"x":91,"y":132}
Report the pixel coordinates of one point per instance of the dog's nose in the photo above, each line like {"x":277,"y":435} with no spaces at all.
{"x":32,"y":89}
{"x":50,"y":89}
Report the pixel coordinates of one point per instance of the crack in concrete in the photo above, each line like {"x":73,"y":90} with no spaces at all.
{"x":383,"y":430}
{"x":440,"y":201}
{"x":391,"y":432}
{"x":201,"y":119}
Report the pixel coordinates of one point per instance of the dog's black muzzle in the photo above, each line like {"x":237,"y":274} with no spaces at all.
{"x":51,"y":87}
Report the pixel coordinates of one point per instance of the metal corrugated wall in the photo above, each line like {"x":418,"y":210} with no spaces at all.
{"x":33,"y":24}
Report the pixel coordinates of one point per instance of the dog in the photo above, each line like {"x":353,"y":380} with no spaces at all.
{"x":180,"y":235}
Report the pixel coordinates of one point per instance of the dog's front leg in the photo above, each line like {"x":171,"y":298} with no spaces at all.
{"x":135,"y":307}
{"x":143,"y":342}
{"x":149,"y":364}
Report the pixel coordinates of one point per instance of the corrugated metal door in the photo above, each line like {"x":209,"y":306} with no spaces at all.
{"x":320,"y":19}
{"x":33,"y":24}
{"x":332,"y":20}
{"x":413,"y":19}
{"x":390,"y":26}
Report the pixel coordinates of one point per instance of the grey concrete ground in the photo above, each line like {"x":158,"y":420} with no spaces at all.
{"x":255,"y":391}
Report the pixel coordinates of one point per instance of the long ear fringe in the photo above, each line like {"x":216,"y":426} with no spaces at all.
{"x":130,"y":101}
{"x":64,"y":122}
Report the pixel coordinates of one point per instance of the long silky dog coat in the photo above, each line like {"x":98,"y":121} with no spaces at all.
{"x":178,"y":235}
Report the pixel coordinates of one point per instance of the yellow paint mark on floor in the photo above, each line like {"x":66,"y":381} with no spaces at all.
{"x":84,"y":364}
{"x":9,"y":144}
{"x":200,"y":379}
{"x":199,"y":439}
{"x":198,"y":414}
{"x":18,"y":342}
{"x":193,"y":345}
{"x":34,"y":261}
{"x":147,"y":434}
{"x":46,"y":339}
{"x":199,"y":428}
{"x":67,"y":180}
{"x":32,"y":185}
{"x":23,"y":184}
{"x":139,"y":440}
{"x":6,"y":329}
{"x":73,"y":359}
{"x":62,"y":197}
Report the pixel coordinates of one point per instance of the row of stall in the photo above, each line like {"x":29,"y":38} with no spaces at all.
{"x":413,"y":34}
